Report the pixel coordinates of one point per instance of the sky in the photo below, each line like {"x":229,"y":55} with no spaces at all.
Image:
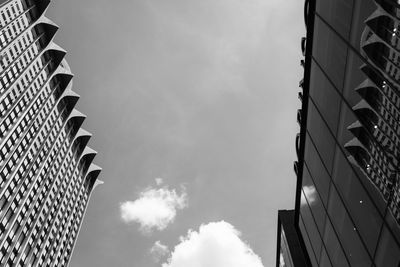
{"x":192,"y":106}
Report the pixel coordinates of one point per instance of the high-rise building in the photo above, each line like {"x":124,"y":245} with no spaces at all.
{"x":347,"y":210}
{"x":46,"y":170}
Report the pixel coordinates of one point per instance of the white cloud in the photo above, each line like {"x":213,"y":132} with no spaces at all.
{"x":154,"y":209}
{"x":158,"y":250}
{"x":159,"y":181}
{"x":216,"y":244}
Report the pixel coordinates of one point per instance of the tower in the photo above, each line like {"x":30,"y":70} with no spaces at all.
{"x":348,"y":170}
{"x":46,"y":169}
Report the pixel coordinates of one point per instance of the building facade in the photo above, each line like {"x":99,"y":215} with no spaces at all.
{"x":46,"y":170}
{"x":347,"y":210}
{"x":290,"y":249}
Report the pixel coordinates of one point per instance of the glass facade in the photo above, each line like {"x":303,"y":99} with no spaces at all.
{"x":46,"y":169}
{"x":348,"y":197}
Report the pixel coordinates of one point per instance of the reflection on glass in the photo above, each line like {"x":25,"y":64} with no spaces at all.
{"x":310,"y":227}
{"x":307,"y":242}
{"x":388,"y":252}
{"x":285,"y":258}
{"x":338,"y":13}
{"x":391,"y":7}
{"x":334,"y":62}
{"x":321,"y":137}
{"x":281,"y":261}
{"x":324,"y":96}
{"x":375,"y":148}
{"x":325,"y":261}
{"x":310,"y":193}
{"x":313,"y":198}
{"x":333,"y":247}
{"x":317,"y":169}
{"x":360,"y":207}
{"x":347,"y":231}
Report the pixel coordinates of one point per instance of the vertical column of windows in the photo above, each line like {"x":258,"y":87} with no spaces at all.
{"x":13,"y":33}
{"x":23,"y":165}
{"x":54,"y":218}
{"x":16,"y":18}
{"x":12,"y":188}
{"x":33,"y":226}
{"x":50,"y":195}
{"x":14,"y":103}
{"x":38,"y":182}
{"x":73,"y":199}
{"x":12,"y":123}
{"x":12,"y":75}
{"x":70,"y":233}
{"x":18,"y":55}
{"x":6,"y":15}
{"x":20,"y":139}
{"x":59,"y":219}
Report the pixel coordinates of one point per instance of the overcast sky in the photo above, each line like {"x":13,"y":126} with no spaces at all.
{"x":192,"y":105}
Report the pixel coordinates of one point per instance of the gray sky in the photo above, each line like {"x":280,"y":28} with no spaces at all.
{"x":200,"y":93}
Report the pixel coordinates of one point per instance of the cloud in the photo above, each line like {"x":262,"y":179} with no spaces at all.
{"x":158,"y":250}
{"x":159,"y":181}
{"x":216,"y":244}
{"x":154,"y":209}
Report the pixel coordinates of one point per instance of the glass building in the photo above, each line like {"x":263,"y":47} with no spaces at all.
{"x":347,"y":210}
{"x":46,"y":170}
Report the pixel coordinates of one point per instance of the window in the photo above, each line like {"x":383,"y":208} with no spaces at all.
{"x":388,"y":252}
{"x":317,"y":170}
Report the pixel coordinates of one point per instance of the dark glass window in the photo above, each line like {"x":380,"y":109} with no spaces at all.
{"x":330,"y":52}
{"x":310,"y":226}
{"x":317,"y":170}
{"x":357,"y":201}
{"x":307,"y":242}
{"x":354,"y":77}
{"x":333,"y":247}
{"x":337,"y":13}
{"x":347,"y":118}
{"x":388,"y":253}
{"x":393,"y":226}
{"x":313,"y":199}
{"x":325,"y":97}
{"x":321,"y":136}
{"x":347,"y":232}
{"x":325,"y":261}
